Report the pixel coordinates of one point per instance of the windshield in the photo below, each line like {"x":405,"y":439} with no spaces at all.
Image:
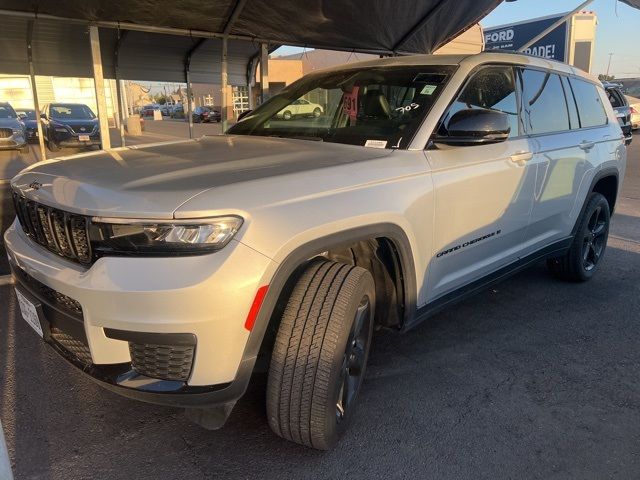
{"x":71,"y":112}
{"x":6,"y":111}
{"x":376,"y":106}
{"x":29,"y":114}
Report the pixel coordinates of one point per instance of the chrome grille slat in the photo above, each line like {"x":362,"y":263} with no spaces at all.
{"x":63,"y":233}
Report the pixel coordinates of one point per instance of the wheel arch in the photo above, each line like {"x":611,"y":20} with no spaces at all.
{"x":605,"y":180}
{"x":290,"y":268}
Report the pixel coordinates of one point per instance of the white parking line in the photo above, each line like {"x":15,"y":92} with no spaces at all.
{"x":6,"y":280}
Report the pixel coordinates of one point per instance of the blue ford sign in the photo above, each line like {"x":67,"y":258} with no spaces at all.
{"x":513,"y":36}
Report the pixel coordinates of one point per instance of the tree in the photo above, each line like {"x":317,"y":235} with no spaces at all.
{"x":606,"y":78}
{"x":160,"y":98}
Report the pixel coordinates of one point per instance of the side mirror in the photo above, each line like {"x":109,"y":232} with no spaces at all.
{"x":244,"y":114}
{"x":476,"y":127}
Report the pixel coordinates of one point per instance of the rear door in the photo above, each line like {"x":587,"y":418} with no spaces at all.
{"x":483,"y":193}
{"x":560,"y":151}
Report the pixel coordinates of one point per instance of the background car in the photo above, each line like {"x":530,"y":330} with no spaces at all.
{"x":301,"y":107}
{"x":634,"y":106}
{"x":205,"y":114}
{"x":12,"y":130}
{"x":28,"y":117}
{"x":147,"y":110}
{"x":70,"y":125}
{"x":621,"y":107}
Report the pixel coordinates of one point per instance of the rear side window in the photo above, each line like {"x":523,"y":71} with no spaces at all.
{"x":615,"y":98}
{"x":544,"y":108}
{"x":491,"y":88}
{"x":590,"y":108}
{"x":571,"y":104}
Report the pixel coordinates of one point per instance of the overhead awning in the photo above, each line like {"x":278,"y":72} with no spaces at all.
{"x":164,"y":30}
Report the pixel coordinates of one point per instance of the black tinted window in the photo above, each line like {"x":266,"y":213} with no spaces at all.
{"x":544,"y":108}
{"x":492,"y":88}
{"x":71,"y":111}
{"x":616,"y":98}
{"x":590,"y":108}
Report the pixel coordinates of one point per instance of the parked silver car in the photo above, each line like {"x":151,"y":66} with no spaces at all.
{"x":170,"y":272}
{"x":12,"y":130}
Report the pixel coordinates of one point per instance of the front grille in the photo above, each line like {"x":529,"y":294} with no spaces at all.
{"x":6,"y":132}
{"x":63,"y":233}
{"x":76,"y":347}
{"x":88,"y":129}
{"x":166,"y":362}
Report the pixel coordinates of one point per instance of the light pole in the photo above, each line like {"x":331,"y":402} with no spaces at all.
{"x":609,"y":64}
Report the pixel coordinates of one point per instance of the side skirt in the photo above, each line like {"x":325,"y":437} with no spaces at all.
{"x":556,"y":249}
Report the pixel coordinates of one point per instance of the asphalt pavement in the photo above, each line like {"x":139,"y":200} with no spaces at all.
{"x":533,"y":379}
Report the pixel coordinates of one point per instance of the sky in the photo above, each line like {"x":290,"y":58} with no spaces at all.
{"x":618,"y":30}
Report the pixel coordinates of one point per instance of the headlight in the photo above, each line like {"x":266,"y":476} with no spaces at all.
{"x":162,"y":238}
{"x":17,"y":131}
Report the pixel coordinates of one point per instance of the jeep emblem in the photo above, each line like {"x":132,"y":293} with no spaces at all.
{"x":82,"y":129}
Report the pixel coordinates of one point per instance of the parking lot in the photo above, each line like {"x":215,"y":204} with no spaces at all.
{"x":535,"y":378}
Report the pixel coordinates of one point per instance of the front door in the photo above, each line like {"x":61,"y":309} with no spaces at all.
{"x":483,"y":193}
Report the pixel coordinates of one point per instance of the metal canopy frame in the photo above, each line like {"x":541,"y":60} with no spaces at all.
{"x":435,"y":12}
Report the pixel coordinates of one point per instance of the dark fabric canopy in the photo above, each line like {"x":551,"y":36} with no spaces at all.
{"x":401,"y":26}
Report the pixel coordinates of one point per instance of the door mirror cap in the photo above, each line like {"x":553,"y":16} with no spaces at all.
{"x":476,"y":127}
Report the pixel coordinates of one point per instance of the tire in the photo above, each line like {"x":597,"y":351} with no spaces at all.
{"x":320,"y":355}
{"x":53,"y":146}
{"x":317,"y":112}
{"x":287,"y":115}
{"x":581,"y":262}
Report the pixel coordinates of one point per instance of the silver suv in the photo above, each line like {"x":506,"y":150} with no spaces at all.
{"x":173,"y":271}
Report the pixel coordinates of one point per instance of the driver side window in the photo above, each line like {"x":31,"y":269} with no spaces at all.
{"x":492,"y":88}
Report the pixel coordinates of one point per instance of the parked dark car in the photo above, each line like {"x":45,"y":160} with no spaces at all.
{"x":621,"y":107}
{"x":206,"y":114}
{"x":12,"y":135}
{"x":147,"y":110}
{"x":28,"y":117}
{"x":70,"y":125}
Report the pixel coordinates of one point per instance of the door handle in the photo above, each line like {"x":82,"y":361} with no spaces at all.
{"x":586,"y":146}
{"x":521,"y":157}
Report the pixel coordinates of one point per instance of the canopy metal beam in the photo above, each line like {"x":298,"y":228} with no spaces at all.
{"x":121,"y":37}
{"x":224,"y":79}
{"x":34,"y":90}
{"x":187,"y":79}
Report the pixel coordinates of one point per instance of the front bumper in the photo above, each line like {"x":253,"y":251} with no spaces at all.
{"x":73,"y":140}
{"x":207,"y":297}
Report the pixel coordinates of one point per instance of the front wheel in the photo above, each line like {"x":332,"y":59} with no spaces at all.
{"x":317,"y":112}
{"x":589,"y":244}
{"x":53,"y":146}
{"x":320,"y":353}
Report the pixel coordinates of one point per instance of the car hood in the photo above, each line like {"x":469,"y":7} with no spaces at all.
{"x":10,"y":123}
{"x":153,"y":181}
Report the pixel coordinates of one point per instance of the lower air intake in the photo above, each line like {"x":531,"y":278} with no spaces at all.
{"x":165,"y":362}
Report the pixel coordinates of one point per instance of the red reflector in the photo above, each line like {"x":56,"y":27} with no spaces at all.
{"x":255,"y":307}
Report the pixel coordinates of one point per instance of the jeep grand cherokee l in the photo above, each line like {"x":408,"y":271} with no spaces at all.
{"x":169,"y":272}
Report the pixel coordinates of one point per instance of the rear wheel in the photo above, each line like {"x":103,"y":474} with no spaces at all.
{"x":287,"y":115}
{"x":589,"y":244}
{"x":317,"y":112}
{"x":320,"y":353}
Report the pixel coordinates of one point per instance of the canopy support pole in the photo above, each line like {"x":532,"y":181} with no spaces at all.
{"x":554,"y":25}
{"x":223,"y":85}
{"x":116,"y":56}
{"x":264,"y":72}
{"x":187,"y":79}
{"x":34,"y":90}
{"x":98,"y":80}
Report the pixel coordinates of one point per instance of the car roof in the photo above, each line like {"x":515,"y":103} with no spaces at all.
{"x":470,"y":61}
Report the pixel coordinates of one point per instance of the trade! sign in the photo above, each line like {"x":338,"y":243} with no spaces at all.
{"x":512,"y":37}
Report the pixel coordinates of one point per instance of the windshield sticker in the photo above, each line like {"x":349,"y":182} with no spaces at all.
{"x":376,"y":143}
{"x":428,"y":89}
{"x":408,"y":108}
{"x":350,"y":103}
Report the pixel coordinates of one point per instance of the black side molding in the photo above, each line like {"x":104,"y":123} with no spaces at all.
{"x":181,"y":339}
